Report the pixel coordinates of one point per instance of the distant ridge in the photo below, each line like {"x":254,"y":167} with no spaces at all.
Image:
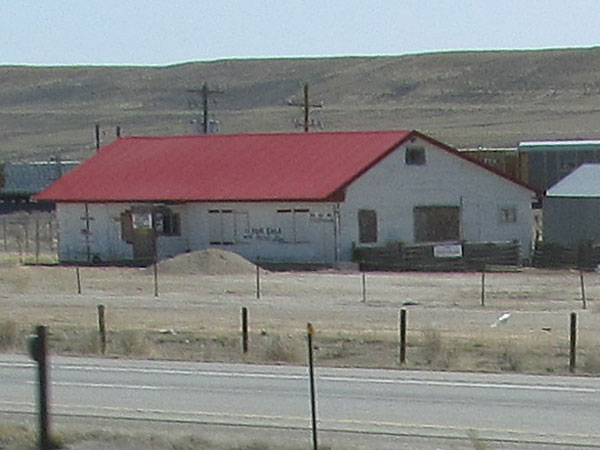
{"x":465,"y":99}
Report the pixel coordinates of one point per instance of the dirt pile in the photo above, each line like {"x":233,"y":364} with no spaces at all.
{"x":211,"y":261}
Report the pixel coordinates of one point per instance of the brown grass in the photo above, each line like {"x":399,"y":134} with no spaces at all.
{"x":466,"y":99}
{"x":8,"y":335}
{"x":197,"y":317}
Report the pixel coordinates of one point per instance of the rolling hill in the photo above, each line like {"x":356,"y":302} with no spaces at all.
{"x":465,"y":99}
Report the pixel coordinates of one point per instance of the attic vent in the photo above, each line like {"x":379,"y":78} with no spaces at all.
{"x":415,"y":156}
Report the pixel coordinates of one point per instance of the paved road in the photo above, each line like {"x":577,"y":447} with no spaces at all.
{"x":502,"y":408}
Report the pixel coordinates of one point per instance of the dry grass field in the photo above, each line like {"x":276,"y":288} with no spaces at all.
{"x":465,"y":99}
{"x":197,"y":314}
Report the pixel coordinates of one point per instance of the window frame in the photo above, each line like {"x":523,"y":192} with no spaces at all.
{"x":507,"y":214}
{"x":367,"y":226}
{"x":292,"y":232}
{"x":166,"y":222}
{"x":415,"y":156}
{"x":225,"y":232}
{"x":431,"y":223}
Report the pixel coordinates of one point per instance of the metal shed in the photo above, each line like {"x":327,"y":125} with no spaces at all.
{"x":19,"y":181}
{"x":572,"y":208}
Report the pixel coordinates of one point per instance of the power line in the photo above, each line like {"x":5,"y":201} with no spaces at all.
{"x":306,"y":105}
{"x":204,"y":92}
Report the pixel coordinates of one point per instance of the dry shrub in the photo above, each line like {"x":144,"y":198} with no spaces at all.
{"x":134,"y":343}
{"x":435,"y":353}
{"x":281,"y":351}
{"x":8,"y":334}
{"x":336,"y":350}
{"x":74,"y":341}
{"x":20,"y":434}
{"x":511,"y":358}
{"x":591,"y":363}
{"x":90,"y":343}
{"x":475,"y":441}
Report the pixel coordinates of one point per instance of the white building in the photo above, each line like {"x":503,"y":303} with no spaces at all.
{"x":302,"y":197}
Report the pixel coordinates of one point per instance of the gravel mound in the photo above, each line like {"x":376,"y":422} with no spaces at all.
{"x":211,"y":261}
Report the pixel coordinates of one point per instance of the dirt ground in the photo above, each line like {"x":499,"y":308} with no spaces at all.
{"x":197,"y":313}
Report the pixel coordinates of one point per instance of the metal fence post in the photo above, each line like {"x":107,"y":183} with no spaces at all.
{"x":313,"y":402}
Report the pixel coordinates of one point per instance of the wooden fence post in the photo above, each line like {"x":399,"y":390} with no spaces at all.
{"x":4,"y":228}
{"x":364,"y":287}
{"x":582,"y":283}
{"x":483,"y":286}
{"x":26,"y":227}
{"x":37,"y":241}
{"x":102,"y":328}
{"x":50,"y":234}
{"x":155,"y":271}
{"x":78,"y":277}
{"x":38,"y":350}
{"x":313,"y":396}
{"x":257,"y":281}
{"x":244,"y":330}
{"x":402,"y":335}
{"x":573,"y":343}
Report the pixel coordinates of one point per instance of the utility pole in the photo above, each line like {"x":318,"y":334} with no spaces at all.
{"x":204,"y":92}
{"x":97,"y":132}
{"x":306,"y":106}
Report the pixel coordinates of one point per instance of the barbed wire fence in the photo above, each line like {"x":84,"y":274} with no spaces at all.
{"x":29,"y":235}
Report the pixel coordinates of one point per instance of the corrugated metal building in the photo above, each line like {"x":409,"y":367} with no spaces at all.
{"x":572,"y":208}
{"x":19,"y":181}
{"x":544,"y":163}
{"x":295,"y":197}
{"x":503,"y":159}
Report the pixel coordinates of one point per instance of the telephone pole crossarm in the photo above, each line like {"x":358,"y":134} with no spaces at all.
{"x":306,"y":105}
{"x":204,"y":92}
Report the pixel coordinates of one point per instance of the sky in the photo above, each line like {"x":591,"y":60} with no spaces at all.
{"x":153,"y":32}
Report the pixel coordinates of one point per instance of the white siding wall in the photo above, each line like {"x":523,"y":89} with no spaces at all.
{"x":271,"y":231}
{"x":301,"y":232}
{"x":393,"y":189}
{"x":105,"y":232}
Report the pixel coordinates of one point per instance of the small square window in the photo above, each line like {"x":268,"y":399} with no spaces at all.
{"x":508,"y":214}
{"x":415,"y":156}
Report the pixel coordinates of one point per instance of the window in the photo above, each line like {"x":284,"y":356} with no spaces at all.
{"x":415,"y":156}
{"x":127,"y":227}
{"x":242,"y":225}
{"x":294,"y":224}
{"x":437,"y":223}
{"x":367,"y":226}
{"x":508,"y":214}
{"x":221,"y":226}
{"x":166,"y":222}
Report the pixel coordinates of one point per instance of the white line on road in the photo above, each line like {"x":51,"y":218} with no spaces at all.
{"x":340,"y":425}
{"x":326,"y":378}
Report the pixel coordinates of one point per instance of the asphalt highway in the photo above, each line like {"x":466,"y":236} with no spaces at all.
{"x":562,"y":411}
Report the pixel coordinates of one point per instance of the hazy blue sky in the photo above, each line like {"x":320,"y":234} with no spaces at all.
{"x":163,"y":32}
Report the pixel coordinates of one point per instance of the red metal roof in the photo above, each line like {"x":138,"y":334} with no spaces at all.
{"x":237,"y":167}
